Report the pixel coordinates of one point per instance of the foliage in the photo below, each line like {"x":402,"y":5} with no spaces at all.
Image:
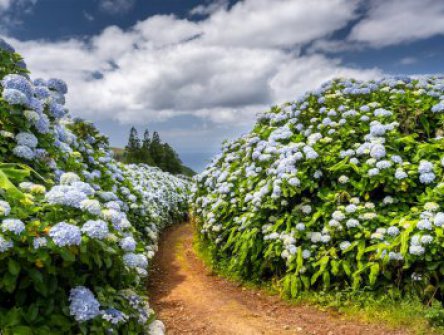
{"x":339,"y":190}
{"x":153,"y":152}
{"x":77,"y":228}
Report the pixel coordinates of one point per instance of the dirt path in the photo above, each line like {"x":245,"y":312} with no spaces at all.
{"x":190,"y":300}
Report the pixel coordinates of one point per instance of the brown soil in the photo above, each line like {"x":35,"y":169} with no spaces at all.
{"x":189,"y":299}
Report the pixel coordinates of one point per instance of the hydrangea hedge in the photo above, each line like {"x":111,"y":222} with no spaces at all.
{"x":77,"y":229}
{"x":341,"y":189}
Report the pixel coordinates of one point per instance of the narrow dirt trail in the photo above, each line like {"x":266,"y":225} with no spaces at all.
{"x":190,"y":300}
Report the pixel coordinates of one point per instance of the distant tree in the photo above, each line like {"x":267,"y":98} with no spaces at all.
{"x":132,"y":149}
{"x":156,"y":149}
{"x":171,"y":161}
{"x":145,"y":150}
{"x":153,"y":152}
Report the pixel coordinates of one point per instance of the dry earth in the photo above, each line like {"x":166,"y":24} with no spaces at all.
{"x":189,"y":299}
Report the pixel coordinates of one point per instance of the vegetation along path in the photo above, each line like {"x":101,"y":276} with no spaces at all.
{"x":189,"y":299}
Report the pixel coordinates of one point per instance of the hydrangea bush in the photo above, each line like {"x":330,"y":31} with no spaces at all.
{"x":341,"y":189}
{"x":77,"y":229}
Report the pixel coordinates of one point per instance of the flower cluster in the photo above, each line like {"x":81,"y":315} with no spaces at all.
{"x":83,"y":305}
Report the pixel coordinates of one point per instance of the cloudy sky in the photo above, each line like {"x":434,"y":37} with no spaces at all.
{"x":198,"y":71}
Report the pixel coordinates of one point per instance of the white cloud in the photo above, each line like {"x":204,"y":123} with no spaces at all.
{"x":278,"y":23}
{"x":333,"y":46}
{"x":221,"y":73}
{"x":396,"y":21}
{"x":299,"y":75}
{"x":5,"y":4}
{"x":116,"y":6}
{"x":210,"y":8}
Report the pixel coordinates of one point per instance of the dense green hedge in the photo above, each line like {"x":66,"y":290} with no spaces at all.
{"x":340,"y":189}
{"x":77,"y":229}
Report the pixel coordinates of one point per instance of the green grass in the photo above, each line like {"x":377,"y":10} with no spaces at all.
{"x":389,"y":308}
{"x":395,"y":312}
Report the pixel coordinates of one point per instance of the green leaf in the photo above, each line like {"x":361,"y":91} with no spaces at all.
{"x":9,"y":282}
{"x":13,"y":267}
{"x":322,"y":266}
{"x":38,"y":280}
{"x":374,"y":272}
{"x":11,"y":190}
{"x":12,"y":317}
{"x":22,"y":330}
{"x":294,"y":286}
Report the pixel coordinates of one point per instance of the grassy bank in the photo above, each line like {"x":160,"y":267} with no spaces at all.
{"x":391,"y":308}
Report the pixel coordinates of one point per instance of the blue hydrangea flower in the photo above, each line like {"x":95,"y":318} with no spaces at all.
{"x":344,"y":245}
{"x":26,"y":139}
{"x":438,"y":108}
{"x":306,"y":254}
{"x":57,"y":98}
{"x":439,"y":219}
{"x":19,"y":83}
{"x":300,"y":226}
{"x":135,"y":260}
{"x":425,"y":166}
{"x":36,"y":105}
{"x":31,"y":116}
{"x":396,"y":159}
{"x":395,"y":256}
{"x":128,"y":243}
{"x":24,"y":152}
{"x":39,"y":82}
{"x":377,"y":129}
{"x":64,"y":234}
{"x":5,"y":244}
{"x":42,"y":124}
{"x":39,"y":242}
{"x":91,"y":206}
{"x":5,"y":208}
{"x":400,"y":174}
{"x":57,"y":110}
{"x":14,"y":97}
{"x":352,"y":223}
{"x":83,"y":305}
{"x":426,"y":239}
{"x":13,"y":225}
{"x":113,"y":205}
{"x":393,"y":231}
{"x":377,"y":151}
{"x":83,"y":187}
{"x":96,"y":229}
{"x":114,"y":316}
{"x":373,"y":172}
{"x":115,"y":217}
{"x":58,"y":85}
{"x":65,"y":195}
{"x":416,"y":250}
{"x":325,"y":238}
{"x":427,"y":178}
{"x":68,"y":178}
{"x":383,"y":164}
{"x":41,"y":92}
{"x":424,"y":224}
{"x":382,"y":112}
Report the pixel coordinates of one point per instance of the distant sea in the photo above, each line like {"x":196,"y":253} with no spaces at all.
{"x":196,"y":160}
